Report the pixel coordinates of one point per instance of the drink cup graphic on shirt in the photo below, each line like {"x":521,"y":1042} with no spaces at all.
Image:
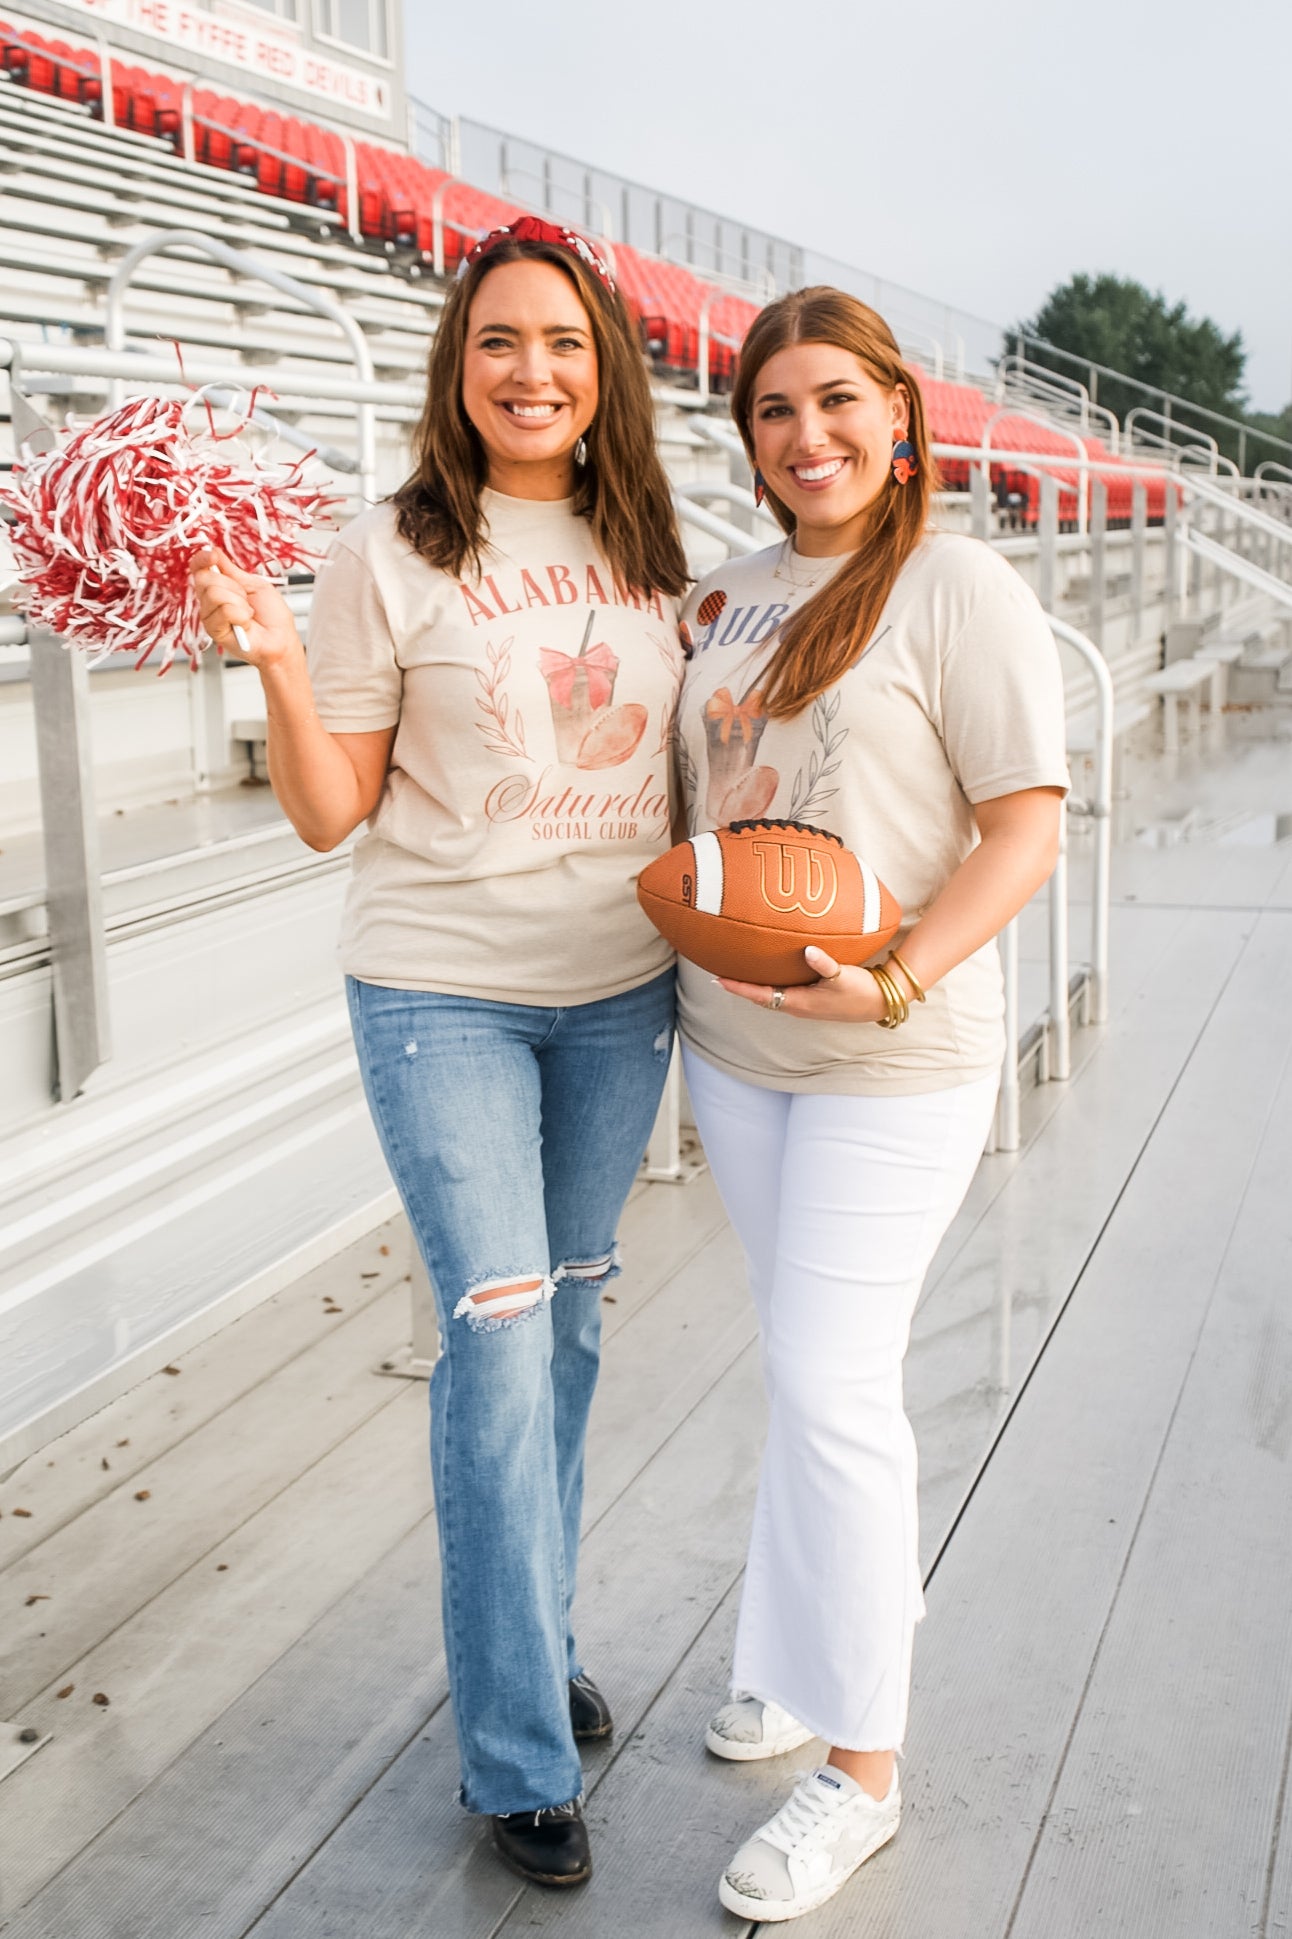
{"x":738,"y":786}
{"x":591,"y":732}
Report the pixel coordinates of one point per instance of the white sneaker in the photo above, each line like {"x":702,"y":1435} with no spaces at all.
{"x":821,"y":1834}
{"x":745,"y":1728}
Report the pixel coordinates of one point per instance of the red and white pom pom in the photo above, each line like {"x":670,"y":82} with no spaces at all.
{"x":106,"y":523}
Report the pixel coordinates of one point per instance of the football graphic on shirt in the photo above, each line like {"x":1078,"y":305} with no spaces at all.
{"x":746,"y":901}
{"x":752,"y":795}
{"x":612,"y":737}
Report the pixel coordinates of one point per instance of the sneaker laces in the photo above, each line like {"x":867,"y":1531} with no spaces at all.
{"x":804,"y":1809}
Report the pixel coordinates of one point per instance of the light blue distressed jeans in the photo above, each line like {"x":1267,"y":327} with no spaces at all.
{"x":513,"y":1133}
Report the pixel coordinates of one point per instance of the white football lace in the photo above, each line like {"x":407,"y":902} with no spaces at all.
{"x":801,"y":1813}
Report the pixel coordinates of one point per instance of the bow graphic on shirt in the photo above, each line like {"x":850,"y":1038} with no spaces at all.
{"x":744,"y":713}
{"x":559,"y":669}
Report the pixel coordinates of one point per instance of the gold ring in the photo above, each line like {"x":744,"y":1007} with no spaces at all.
{"x":778,"y":997}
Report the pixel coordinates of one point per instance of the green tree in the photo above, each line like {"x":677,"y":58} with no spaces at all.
{"x":1279,"y":425}
{"x":1114,"y":321}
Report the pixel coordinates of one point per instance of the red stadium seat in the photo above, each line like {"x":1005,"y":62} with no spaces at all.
{"x":397,"y":195}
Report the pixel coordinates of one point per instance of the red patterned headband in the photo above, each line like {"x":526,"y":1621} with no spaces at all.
{"x":531,"y":228}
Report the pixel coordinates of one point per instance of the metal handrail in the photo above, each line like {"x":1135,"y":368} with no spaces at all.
{"x":699,"y":491}
{"x":242,"y":264}
{"x":16,"y":38}
{"x":190,"y":120}
{"x":1240,"y":568}
{"x":1083,"y":460}
{"x":708,"y":336}
{"x":135,"y":366}
{"x":1211,"y":492}
{"x":1041,"y":378}
{"x":916,"y":342}
{"x":717,"y":528}
{"x":1167,"y":442}
{"x":1056,"y":1021}
{"x":606,"y":232}
{"x":1244,"y":431}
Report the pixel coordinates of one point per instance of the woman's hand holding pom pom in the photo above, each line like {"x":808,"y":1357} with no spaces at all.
{"x":228,"y":597}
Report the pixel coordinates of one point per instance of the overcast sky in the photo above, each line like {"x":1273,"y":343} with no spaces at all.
{"x":976,"y":151}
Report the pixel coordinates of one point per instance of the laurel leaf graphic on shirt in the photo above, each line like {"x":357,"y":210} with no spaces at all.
{"x":810,"y":793}
{"x":690,"y":780}
{"x":504,"y":733}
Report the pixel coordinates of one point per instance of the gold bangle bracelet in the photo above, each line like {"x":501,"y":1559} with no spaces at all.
{"x":896,"y":1008}
{"x":899,"y":1009}
{"x":909,"y":974}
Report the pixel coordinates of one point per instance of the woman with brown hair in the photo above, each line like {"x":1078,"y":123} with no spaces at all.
{"x":900,"y":688}
{"x":492,"y":673}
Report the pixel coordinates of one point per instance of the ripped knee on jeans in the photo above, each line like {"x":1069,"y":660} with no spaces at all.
{"x":496,"y":1302}
{"x":599,"y":1271}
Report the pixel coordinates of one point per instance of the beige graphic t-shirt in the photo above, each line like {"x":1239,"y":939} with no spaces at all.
{"x":529,"y":780}
{"x":957,"y":698}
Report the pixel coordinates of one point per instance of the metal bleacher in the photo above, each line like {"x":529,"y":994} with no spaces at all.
{"x":223,"y":1148}
{"x":223,"y":1700}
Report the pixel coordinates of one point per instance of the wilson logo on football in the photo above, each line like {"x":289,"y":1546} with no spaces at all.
{"x":797,"y":880}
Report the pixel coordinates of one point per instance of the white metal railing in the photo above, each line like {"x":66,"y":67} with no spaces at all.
{"x":1168,"y":399}
{"x":1226,"y":560}
{"x":1211,"y":491}
{"x":1065,"y":393}
{"x":242,"y":264}
{"x":1187,"y":440}
{"x":1053,"y":462}
{"x":717,"y":528}
{"x":1050,"y":1037}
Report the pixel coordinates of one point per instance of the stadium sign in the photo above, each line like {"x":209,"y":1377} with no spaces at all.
{"x":237,"y":42}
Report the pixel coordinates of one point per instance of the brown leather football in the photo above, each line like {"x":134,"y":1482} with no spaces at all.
{"x":747,"y":900}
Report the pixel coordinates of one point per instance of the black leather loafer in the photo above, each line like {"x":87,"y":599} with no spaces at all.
{"x":548,"y":1847}
{"x":589,"y":1712}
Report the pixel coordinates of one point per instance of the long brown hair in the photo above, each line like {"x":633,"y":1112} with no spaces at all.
{"x":826,"y":636}
{"x":622,"y":490}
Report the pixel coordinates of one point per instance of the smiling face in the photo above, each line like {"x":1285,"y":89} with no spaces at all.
{"x":823,"y":431}
{"x":529,"y":377}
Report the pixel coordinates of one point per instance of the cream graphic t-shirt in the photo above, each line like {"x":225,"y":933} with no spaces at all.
{"x":529,"y":780}
{"x":957,"y":698}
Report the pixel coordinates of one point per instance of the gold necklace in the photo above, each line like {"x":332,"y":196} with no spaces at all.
{"x":787,"y":577}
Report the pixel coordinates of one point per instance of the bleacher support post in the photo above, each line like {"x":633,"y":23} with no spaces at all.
{"x":60,"y":692}
{"x":979,"y":502}
{"x":1098,"y":559}
{"x":1047,"y":534}
{"x":1006,"y":1130}
{"x":1170,"y":550}
{"x":1139,"y":528}
{"x":416,"y":1361}
{"x":738,"y":472}
{"x":208,"y":724}
{"x":666,"y":1163}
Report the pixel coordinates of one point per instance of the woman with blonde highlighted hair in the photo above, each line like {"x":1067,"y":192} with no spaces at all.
{"x":900,"y":688}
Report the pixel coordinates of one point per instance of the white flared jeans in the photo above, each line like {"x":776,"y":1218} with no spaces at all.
{"x":839,"y":1203}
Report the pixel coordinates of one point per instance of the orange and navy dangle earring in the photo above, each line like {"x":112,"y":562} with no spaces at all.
{"x":905,"y":462}
{"x":760,"y":488}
